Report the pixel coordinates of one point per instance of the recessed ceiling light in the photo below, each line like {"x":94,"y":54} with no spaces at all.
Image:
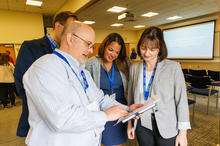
{"x":150,"y":14}
{"x":117,"y":24}
{"x":116,"y":9}
{"x":174,"y":17}
{"x":139,"y":26}
{"x":34,"y":3}
{"x":89,"y":22}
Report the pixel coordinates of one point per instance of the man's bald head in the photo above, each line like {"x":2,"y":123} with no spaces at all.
{"x":78,"y":40}
{"x":75,"y":27}
{"x":71,"y":27}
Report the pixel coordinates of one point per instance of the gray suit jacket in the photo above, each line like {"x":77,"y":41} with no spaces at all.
{"x":93,"y":66}
{"x":172,"y":111}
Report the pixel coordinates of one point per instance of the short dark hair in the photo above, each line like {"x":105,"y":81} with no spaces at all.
{"x":122,"y":62}
{"x":154,"y":34}
{"x":63,"y":16}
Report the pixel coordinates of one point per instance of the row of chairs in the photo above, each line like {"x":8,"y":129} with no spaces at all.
{"x":214,"y":75}
{"x":201,"y":83}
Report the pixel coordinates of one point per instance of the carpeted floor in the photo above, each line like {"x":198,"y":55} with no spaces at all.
{"x":206,"y":128}
{"x":205,"y":131}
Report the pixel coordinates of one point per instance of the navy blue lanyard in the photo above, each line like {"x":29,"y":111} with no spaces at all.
{"x":146,"y":92}
{"x":52,"y":45}
{"x":111,"y":79}
{"x":85,"y":84}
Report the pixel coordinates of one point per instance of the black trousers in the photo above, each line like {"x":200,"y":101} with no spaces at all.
{"x":7,"y":89}
{"x":11,"y":92}
{"x":4,"y":94}
{"x":147,"y":137}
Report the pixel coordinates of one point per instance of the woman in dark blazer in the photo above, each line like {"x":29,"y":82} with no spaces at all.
{"x":167,"y":124}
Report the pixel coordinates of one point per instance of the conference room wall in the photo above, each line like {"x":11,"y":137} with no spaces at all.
{"x":213,"y":64}
{"x":15,"y":27}
{"x":19,"y":26}
{"x":129,"y":36}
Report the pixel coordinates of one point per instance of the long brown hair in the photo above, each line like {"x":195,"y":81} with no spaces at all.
{"x":122,"y":62}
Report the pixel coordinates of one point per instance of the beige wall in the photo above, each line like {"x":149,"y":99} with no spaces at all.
{"x":201,"y":65}
{"x":128,"y":36}
{"x":19,"y":26}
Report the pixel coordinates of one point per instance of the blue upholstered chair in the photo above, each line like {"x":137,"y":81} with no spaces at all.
{"x":214,"y":75}
{"x":201,"y":72}
{"x":201,"y":85}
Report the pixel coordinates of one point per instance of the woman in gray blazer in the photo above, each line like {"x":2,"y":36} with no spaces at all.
{"x":167,"y":124}
{"x":110,"y":73}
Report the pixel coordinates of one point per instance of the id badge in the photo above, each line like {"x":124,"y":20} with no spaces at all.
{"x":113,"y":96}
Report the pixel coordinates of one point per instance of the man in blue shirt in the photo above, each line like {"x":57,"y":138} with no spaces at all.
{"x":31,"y":51}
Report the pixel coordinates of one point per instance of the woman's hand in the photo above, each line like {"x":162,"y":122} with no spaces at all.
{"x":181,"y":139}
{"x":134,"y":107}
{"x":130,"y":130}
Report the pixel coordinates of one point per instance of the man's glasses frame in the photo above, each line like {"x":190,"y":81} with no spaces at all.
{"x":90,"y":45}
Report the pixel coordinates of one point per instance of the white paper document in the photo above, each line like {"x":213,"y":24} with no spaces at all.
{"x":149,"y":104}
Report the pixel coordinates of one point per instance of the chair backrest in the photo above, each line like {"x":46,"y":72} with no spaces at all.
{"x":186,"y":76}
{"x":215,"y":75}
{"x":199,"y":81}
{"x":197,"y":72}
{"x":185,"y":71}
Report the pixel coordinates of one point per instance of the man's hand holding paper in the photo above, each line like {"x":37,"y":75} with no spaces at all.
{"x":149,"y":104}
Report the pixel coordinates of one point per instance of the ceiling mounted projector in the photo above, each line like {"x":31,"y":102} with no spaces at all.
{"x":127,"y":16}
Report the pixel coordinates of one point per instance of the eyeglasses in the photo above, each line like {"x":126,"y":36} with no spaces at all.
{"x":89,"y":44}
{"x":144,"y":48}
